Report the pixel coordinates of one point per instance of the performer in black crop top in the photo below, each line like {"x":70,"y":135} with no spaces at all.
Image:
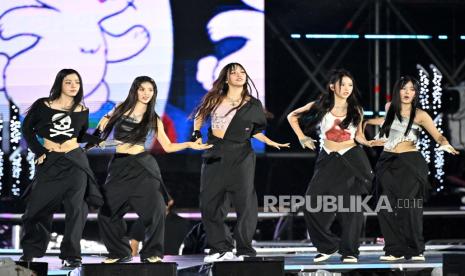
{"x":63,"y":174}
{"x":228,"y":168}
{"x":134,"y":180}
{"x":55,"y":125}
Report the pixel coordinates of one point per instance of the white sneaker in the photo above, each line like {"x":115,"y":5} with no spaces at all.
{"x":241,"y":257}
{"x":419,"y":258}
{"x":219,"y":257}
{"x":321,"y":257}
{"x":390,"y":258}
{"x":349,"y":259}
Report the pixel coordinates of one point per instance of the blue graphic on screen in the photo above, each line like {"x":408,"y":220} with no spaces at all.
{"x":238,"y":36}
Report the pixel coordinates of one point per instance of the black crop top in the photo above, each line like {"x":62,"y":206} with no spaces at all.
{"x":124,"y":128}
{"x":55,"y":125}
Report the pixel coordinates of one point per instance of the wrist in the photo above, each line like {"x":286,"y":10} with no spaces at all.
{"x":196,"y":134}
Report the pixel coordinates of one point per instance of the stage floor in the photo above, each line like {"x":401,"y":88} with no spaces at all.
{"x":294,"y":260}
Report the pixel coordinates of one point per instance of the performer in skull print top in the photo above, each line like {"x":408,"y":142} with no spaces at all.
{"x":63,"y":173}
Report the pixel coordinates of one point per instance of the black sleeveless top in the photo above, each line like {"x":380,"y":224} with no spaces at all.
{"x":124,"y":128}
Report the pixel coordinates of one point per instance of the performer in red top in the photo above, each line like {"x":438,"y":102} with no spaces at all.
{"x":339,"y":116}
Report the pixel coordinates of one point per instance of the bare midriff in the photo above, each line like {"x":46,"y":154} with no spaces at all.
{"x":337,"y":146}
{"x":129,"y":148}
{"x":218,"y":133}
{"x":405,"y":146}
{"x":66,"y":146}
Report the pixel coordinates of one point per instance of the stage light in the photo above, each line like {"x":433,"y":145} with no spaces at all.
{"x":437,"y":118}
{"x":30,"y":160}
{"x":424,"y":142}
{"x":332,"y":36}
{"x":393,"y":36}
{"x":15,"y":156}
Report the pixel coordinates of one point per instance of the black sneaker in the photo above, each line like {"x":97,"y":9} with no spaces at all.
{"x":113,"y":260}
{"x":71,"y":263}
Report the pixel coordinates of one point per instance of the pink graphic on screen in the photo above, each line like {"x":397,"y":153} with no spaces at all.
{"x":108,"y":42}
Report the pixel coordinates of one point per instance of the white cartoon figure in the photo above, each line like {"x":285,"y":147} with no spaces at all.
{"x":247,"y":24}
{"x":95,"y":37}
{"x":61,"y":125}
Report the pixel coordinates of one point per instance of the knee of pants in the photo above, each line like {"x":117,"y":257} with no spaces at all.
{"x":211,"y":214}
{"x":103,"y":217}
{"x":74,"y":211}
{"x":148,"y":219}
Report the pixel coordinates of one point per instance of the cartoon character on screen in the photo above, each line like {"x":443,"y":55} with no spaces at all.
{"x":249,"y":26}
{"x":86,"y":35}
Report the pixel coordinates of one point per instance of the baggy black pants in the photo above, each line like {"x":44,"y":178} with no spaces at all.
{"x":58,"y":180}
{"x":346,"y":176}
{"x":227,"y":175}
{"x":402,"y":178}
{"x":133,"y":183}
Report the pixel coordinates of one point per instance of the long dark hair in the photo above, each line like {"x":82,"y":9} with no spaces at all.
{"x":395,"y":107}
{"x":220,"y":89}
{"x":325,"y":103}
{"x":55,"y":91}
{"x":149,"y":120}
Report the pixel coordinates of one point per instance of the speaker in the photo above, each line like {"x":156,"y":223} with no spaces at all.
{"x":453,"y":264}
{"x":249,"y":268}
{"x":129,"y":269}
{"x":40,"y":268}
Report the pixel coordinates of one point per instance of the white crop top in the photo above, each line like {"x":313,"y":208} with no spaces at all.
{"x":330,"y":129}
{"x":219,"y":119}
{"x":397,"y":133}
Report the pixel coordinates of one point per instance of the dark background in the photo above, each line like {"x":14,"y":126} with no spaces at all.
{"x":287,"y":60}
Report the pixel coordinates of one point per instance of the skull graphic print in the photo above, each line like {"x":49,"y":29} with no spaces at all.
{"x":61,"y":125}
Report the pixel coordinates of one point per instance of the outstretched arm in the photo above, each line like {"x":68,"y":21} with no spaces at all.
{"x":98,"y":131}
{"x":261,"y":137}
{"x":373,"y":121}
{"x":360,"y":134}
{"x":428,"y":124}
{"x":173,"y":147}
